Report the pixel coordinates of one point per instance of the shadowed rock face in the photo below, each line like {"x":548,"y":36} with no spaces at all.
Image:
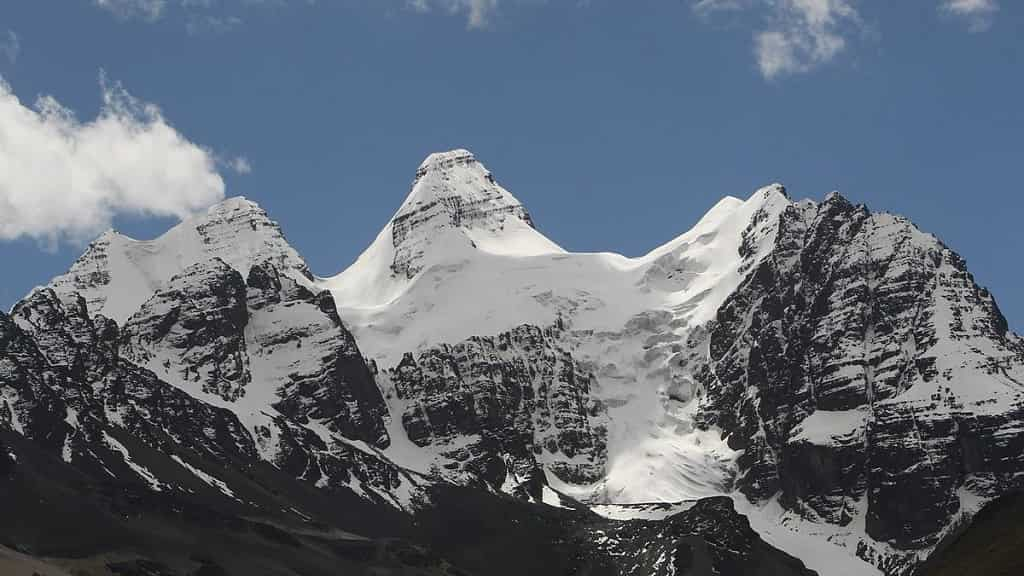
{"x":862,"y":362}
{"x":520,"y":395}
{"x":268,"y":341}
{"x":70,"y":387}
{"x":70,"y":384}
{"x":327,"y":379}
{"x":196,"y":324}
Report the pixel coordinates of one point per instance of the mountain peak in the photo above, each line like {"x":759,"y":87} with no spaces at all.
{"x":456,"y":211}
{"x":454,"y":179}
{"x":116,"y":274}
{"x":235,"y":204}
{"x":457,"y":202}
{"x":776,"y":188}
{"x":446,"y":160}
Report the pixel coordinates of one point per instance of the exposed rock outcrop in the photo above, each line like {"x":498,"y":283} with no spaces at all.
{"x":500,"y":407}
{"x":269,"y":344}
{"x":861,"y":363}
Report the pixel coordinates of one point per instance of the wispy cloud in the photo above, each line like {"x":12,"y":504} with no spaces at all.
{"x":209,"y":24}
{"x":790,"y":36}
{"x":148,"y":10}
{"x":64,"y":179}
{"x":239,"y":165}
{"x":201,"y":16}
{"x":207,"y":16}
{"x":478,"y":13}
{"x":794,"y":35}
{"x":979,"y":14}
{"x":10,"y":47}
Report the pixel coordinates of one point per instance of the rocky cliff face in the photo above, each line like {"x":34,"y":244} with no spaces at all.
{"x":866,"y":377}
{"x":69,"y":382}
{"x":66,"y":387}
{"x":504,"y":409}
{"x":266,"y":344}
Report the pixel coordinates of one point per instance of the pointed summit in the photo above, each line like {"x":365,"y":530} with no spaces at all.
{"x":455,"y":192}
{"x":116,"y":274}
{"x":455,"y":212}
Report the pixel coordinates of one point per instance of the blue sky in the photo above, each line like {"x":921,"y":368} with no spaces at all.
{"x":618,"y":123}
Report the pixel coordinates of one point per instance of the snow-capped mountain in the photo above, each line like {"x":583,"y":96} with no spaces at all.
{"x":117,"y":274}
{"x":834,"y":375}
{"x":858,"y":375}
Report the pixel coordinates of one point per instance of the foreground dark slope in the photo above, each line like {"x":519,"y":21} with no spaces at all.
{"x":991,"y":545}
{"x":89,"y":525}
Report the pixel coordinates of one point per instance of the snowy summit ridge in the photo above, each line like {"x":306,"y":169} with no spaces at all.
{"x":117,"y":273}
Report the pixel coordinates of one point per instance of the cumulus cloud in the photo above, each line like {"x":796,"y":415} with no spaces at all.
{"x":10,"y":47}
{"x":477,"y":12}
{"x":796,"y":35}
{"x":978,"y":13}
{"x":64,"y":179}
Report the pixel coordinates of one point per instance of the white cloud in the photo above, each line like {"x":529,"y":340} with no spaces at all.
{"x":240,"y":165}
{"x":978,"y":13}
{"x":709,"y":6}
{"x":478,"y":12}
{"x":10,"y":47}
{"x":149,"y":10}
{"x":63,"y":179}
{"x":211,"y":24}
{"x":796,"y":35}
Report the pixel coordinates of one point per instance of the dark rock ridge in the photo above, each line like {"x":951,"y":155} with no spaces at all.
{"x":860,"y":363}
{"x":67,"y":386}
{"x":266,"y":338}
{"x":708,"y":538}
{"x":194,"y":328}
{"x":520,"y":398}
